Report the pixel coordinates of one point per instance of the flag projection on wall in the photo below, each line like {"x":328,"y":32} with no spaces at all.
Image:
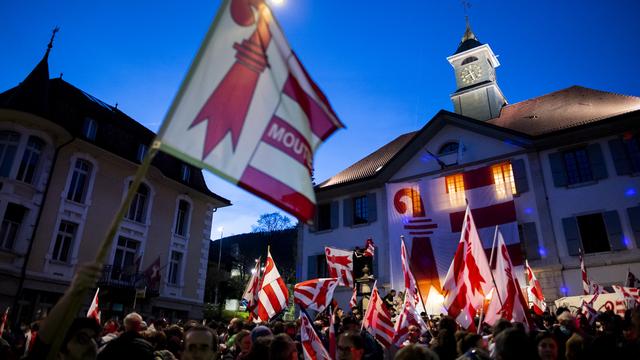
{"x":429,"y":214}
{"x":249,"y":111}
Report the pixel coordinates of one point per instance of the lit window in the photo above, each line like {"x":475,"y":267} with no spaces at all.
{"x":79,"y":181}
{"x":503,"y":178}
{"x":455,"y":189}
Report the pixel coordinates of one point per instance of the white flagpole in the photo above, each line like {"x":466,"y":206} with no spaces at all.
{"x":493,"y":247}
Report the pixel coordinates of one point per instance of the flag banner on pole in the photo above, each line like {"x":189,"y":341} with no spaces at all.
{"x":377,"y":320}
{"x":429,"y":213}
{"x":333,"y":343}
{"x":586,"y":286}
{"x":248,"y":111}
{"x":408,"y":316}
{"x":250,"y":294}
{"x":410,"y":285}
{"x":353,"y":302}
{"x":629,"y":294}
{"x":94,"y":308}
{"x":152,"y":275}
{"x":311,"y":343}
{"x":315,"y":294}
{"x":340,"y":265}
{"x":534,"y":291}
{"x":273,"y":295}
{"x":370,"y":248}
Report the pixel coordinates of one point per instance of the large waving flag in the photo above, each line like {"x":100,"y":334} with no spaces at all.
{"x":248,"y":111}
{"x":535,"y":291}
{"x":377,"y":320}
{"x":410,"y":285}
{"x":250,"y":295}
{"x":469,"y":277}
{"x":311,"y":343}
{"x":273,"y":294}
{"x":315,"y":294}
{"x":340,"y":265}
{"x":94,"y":308}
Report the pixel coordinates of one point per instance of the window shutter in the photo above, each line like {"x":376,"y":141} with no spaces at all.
{"x":598,"y":166}
{"x":557,"y":169}
{"x":520,"y":176}
{"x":614,"y":230}
{"x":373,"y":210}
{"x":571,"y":235}
{"x":335,"y":219}
{"x":312,"y":267}
{"x":530,"y":235}
{"x":620,"y":158}
{"x":634,"y":219}
{"x":347,"y":215}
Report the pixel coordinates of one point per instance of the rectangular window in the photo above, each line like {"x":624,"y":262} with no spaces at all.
{"x":174,"y":267}
{"x":455,"y":189}
{"x":64,"y":241}
{"x":11,"y":223}
{"x":8,"y":146}
{"x":30,"y":160}
{"x":632,"y":148}
{"x":124,"y":259}
{"x":360,"y":210}
{"x":577,"y":166}
{"x":182,"y":218}
{"x":324,"y":217}
{"x":138,"y":209}
{"x":79,"y":181}
{"x":142,"y":151}
{"x":90,"y":128}
{"x":593,"y":233}
{"x":185,"y":173}
{"x":503,"y":179}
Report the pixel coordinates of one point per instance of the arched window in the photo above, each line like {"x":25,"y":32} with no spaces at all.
{"x":8,"y":145}
{"x":182,"y":218}
{"x":79,"y":181}
{"x":138,"y":209}
{"x":470,"y":59}
{"x":448,"y":148}
{"x":30,"y":159}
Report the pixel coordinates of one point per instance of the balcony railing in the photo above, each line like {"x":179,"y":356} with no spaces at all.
{"x":123,"y":278}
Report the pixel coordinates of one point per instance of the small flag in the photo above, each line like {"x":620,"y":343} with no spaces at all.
{"x":250,"y":295}
{"x":377,"y":320}
{"x":248,"y":111}
{"x":354,"y":299}
{"x":311,"y":343}
{"x":273,"y":295}
{"x":94,"y":309}
{"x":152,"y":274}
{"x":535,"y":291}
{"x":315,"y":294}
{"x":369,"y":248}
{"x":340,"y":265}
{"x":586,"y":286}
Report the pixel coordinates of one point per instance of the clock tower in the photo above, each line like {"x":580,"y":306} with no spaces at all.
{"x":477,"y":93}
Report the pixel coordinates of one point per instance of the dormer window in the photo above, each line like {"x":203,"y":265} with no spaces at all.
{"x":90,"y":128}
{"x":185,"y":173}
{"x":468,"y":60}
{"x":448,"y":148}
{"x":142,"y":151}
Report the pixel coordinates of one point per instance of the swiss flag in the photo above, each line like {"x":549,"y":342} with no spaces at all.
{"x":248,"y":110}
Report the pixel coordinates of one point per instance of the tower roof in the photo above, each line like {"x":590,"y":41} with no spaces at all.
{"x":469,"y":40}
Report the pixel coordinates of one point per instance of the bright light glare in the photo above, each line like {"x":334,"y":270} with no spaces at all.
{"x":490,"y":294}
{"x":276,"y":2}
{"x":221,"y":228}
{"x":253,"y":271}
{"x":438,"y":299}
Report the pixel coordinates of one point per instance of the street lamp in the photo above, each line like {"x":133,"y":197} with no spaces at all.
{"x":215,"y":300}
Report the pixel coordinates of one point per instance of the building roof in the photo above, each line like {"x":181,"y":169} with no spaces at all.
{"x":68,"y":106}
{"x":533,"y":118}
{"x":567,"y":108}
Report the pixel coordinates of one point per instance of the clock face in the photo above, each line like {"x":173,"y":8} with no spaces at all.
{"x":470,"y":73}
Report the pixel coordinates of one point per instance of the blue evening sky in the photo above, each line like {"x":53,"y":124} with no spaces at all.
{"x":381,"y":63}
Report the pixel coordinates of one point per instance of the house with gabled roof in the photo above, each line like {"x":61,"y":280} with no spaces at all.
{"x":568,"y":162}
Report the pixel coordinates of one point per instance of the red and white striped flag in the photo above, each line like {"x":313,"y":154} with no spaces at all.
{"x":370,"y":248}
{"x":354,"y":299}
{"x":586,"y":286}
{"x":340,"y":265}
{"x":5,"y":316}
{"x":315,"y":294}
{"x":249,"y":111}
{"x":273,"y":295}
{"x":311,"y":343}
{"x":469,"y":277}
{"x":377,"y":320}
{"x":250,"y":295}
{"x":410,"y":285}
{"x":629,"y":294}
{"x":535,"y":291}
{"x":94,"y":309}
{"x":408,"y":316}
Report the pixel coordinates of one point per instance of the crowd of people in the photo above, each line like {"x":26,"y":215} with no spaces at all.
{"x":560,"y":335}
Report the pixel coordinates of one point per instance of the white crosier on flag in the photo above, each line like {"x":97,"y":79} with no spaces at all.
{"x":340,"y":265}
{"x":469,"y":277}
{"x":315,"y":294}
{"x":507,"y":301}
{"x":377,"y":320}
{"x":534,"y":291}
{"x":408,"y":316}
{"x":248,"y":111}
{"x":311,"y":343}
{"x":94,"y":308}
{"x":273,"y":294}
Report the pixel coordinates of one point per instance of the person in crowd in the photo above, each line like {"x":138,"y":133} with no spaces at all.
{"x":350,"y":346}
{"x":388,"y":301}
{"x":513,"y":344}
{"x":200,"y":343}
{"x":546,"y":346}
{"x":283,"y":348}
{"x":416,"y":352}
{"x":130,"y":343}
{"x":445,"y":343}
